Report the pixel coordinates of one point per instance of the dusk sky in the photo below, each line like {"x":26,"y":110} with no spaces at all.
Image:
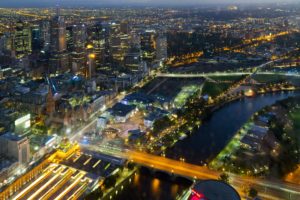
{"x":29,"y":3}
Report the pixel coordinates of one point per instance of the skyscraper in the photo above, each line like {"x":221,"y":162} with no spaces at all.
{"x":148,"y":45}
{"x":98,"y":41}
{"x":59,"y":57}
{"x":161,"y":47}
{"x":22,"y":40}
{"x":58,"y":34}
{"x":36,"y":39}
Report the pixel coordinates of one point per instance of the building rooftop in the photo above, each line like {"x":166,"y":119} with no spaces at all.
{"x":6,"y":162}
{"x":121,"y":109}
{"x":213,"y":190}
{"x":12,"y":136}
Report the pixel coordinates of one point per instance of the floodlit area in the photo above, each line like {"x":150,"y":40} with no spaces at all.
{"x":134,"y":122}
{"x":184,"y":94}
{"x":55,"y":182}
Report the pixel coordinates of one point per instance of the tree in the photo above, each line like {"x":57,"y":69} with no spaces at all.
{"x":161,"y":124}
{"x":97,"y":194}
{"x":252,"y":192}
{"x":130,"y":166}
{"x":110,"y":181}
{"x":224,"y":177}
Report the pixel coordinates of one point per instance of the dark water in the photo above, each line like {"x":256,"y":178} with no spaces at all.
{"x":206,"y":142}
{"x":150,"y":185}
{"x":203,"y":145}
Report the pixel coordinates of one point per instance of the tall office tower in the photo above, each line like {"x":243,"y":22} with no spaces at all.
{"x":4,"y":39}
{"x":148,"y":45}
{"x":98,"y":42}
{"x":76,"y":37}
{"x":118,"y":42}
{"x":80,"y":37}
{"x":124,"y":27}
{"x":57,"y":34}
{"x":135,"y":39}
{"x":76,"y":40}
{"x":45,"y":33}
{"x":161,"y":47}
{"x":115,"y":42}
{"x":22,"y":40}
{"x":36,"y":39}
{"x":132,"y":60}
{"x":16,"y":147}
{"x":59,"y":57}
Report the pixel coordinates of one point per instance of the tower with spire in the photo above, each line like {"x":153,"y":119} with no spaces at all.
{"x":50,"y":102}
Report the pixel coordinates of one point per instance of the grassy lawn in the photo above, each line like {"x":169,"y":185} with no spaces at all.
{"x":226,"y":78}
{"x":184,"y":94}
{"x":170,"y":87}
{"x":214,"y":89}
{"x":263,"y":78}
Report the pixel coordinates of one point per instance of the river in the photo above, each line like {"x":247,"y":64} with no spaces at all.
{"x":201,"y":146}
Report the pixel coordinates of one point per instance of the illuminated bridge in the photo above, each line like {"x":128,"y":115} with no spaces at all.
{"x":269,"y":190}
{"x":206,"y":75}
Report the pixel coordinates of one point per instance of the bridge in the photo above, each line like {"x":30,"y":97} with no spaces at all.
{"x":212,"y":74}
{"x":216,"y":74}
{"x":200,"y":75}
{"x":269,"y":190}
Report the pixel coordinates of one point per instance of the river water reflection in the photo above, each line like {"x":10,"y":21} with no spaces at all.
{"x":206,"y":142}
{"x":203,"y":145}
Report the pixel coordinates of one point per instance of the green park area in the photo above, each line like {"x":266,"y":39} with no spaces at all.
{"x":214,"y":89}
{"x":269,"y":78}
{"x":184,"y":94}
{"x":232,"y":146}
{"x":227,"y":78}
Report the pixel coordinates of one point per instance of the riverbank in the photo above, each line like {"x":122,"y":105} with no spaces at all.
{"x":266,"y":145}
{"x":206,"y":142}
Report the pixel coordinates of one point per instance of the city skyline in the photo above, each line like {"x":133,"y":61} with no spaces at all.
{"x":171,"y":101}
{"x":72,"y":3}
